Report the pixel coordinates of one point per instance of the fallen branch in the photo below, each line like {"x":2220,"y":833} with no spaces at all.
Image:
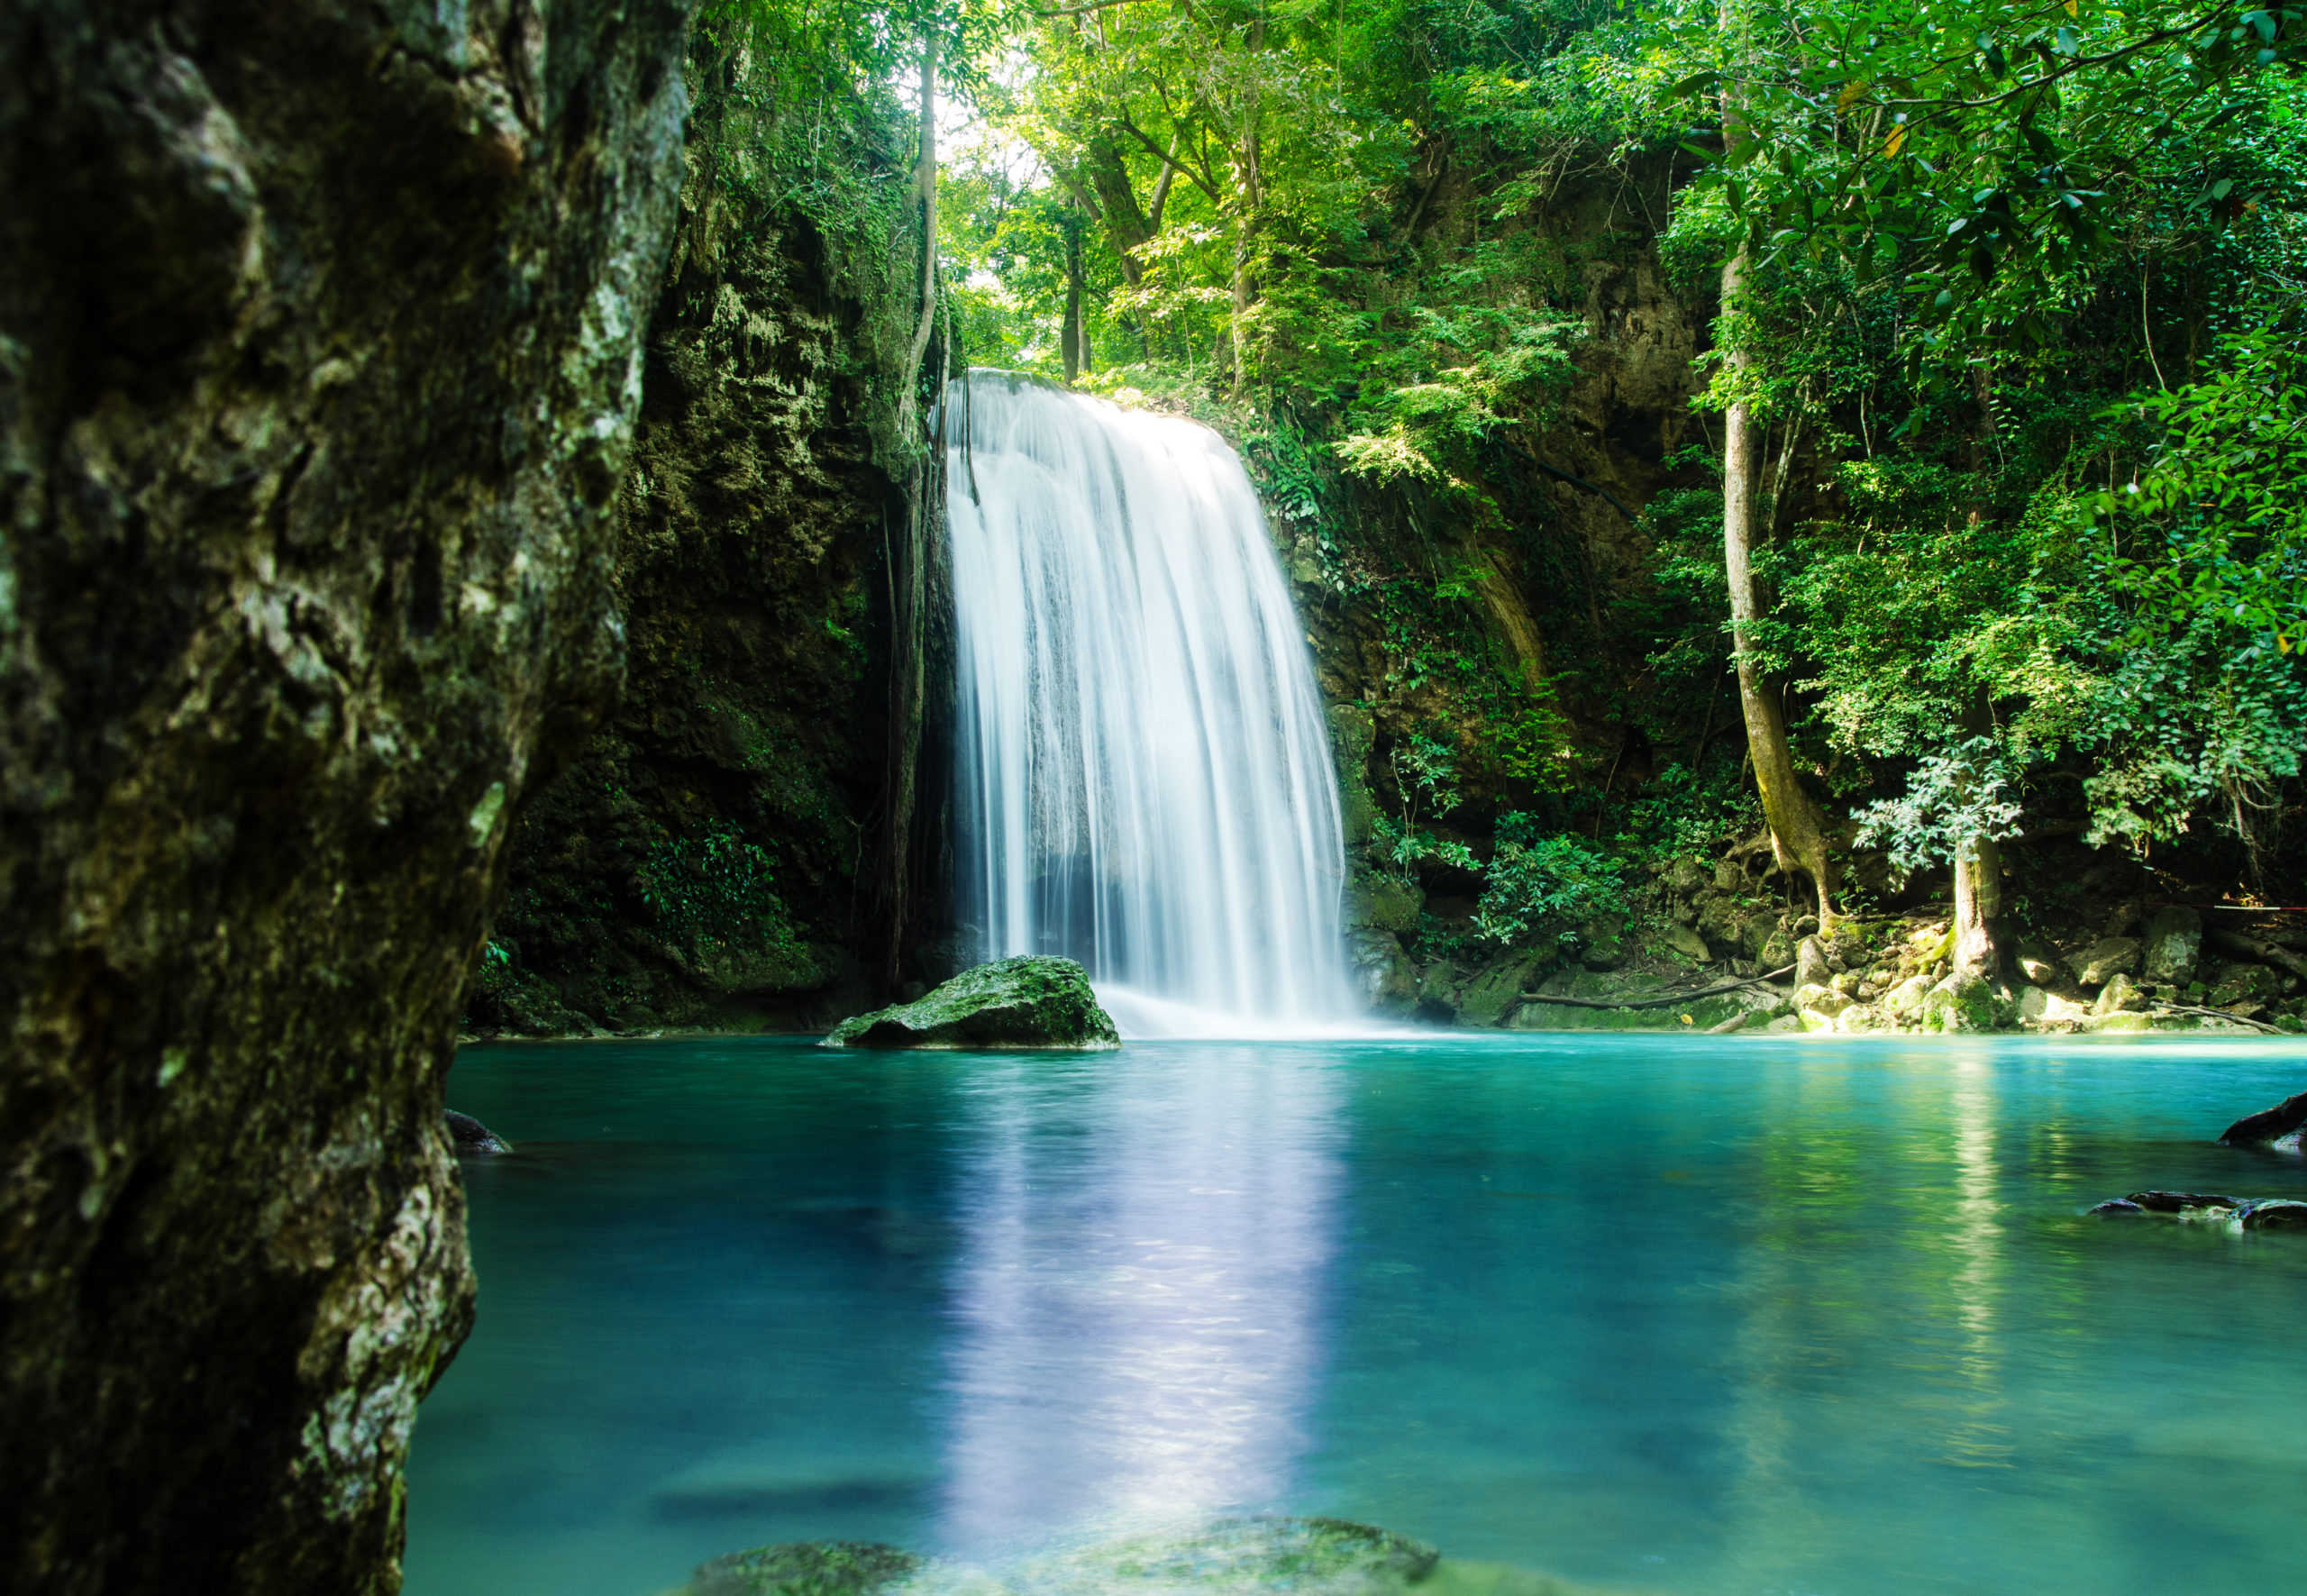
{"x":1666,"y":1002}
{"x":2222,"y":1014}
{"x":2266,"y":952}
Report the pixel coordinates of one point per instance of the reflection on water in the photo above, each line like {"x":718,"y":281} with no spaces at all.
{"x":1137,"y":1296}
{"x":1646,"y":1312}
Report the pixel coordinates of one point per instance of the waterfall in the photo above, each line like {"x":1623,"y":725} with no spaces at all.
{"x":1144,"y":779}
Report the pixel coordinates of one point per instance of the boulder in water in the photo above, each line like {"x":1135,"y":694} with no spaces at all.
{"x":1010,"y":1005}
{"x":2240,"y":1213}
{"x":2279,"y":1126}
{"x":473,"y":1137}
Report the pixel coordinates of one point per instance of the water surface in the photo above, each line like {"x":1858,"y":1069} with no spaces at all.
{"x":1799,"y":1316}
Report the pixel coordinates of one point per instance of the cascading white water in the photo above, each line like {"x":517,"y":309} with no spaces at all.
{"x":1144,"y":774}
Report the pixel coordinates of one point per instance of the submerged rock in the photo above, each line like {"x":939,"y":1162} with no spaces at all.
{"x":471,"y":1136}
{"x":2279,"y":1126}
{"x":1230,"y":1558}
{"x":807,"y":1568}
{"x":1013,"y":1004}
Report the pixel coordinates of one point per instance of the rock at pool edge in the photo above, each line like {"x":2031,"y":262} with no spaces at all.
{"x":1011,"y":1005}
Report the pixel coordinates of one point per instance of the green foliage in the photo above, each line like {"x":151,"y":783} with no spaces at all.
{"x":1537,"y":884}
{"x":1969,"y":790}
{"x":1982,"y":152}
{"x":2216,"y":526}
{"x":716,"y":887}
{"x":1425,"y":787}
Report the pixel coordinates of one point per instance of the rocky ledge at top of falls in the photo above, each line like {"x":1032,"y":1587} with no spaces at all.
{"x":1013,"y":1004}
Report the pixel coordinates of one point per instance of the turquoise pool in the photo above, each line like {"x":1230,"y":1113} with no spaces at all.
{"x":1741,"y":1317}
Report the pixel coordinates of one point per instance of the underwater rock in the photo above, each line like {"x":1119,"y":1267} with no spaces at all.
{"x":471,"y":1136}
{"x":2279,"y":1126}
{"x":1026,"y":1003}
{"x":807,"y":1568}
{"x":2173,"y":943}
{"x":1230,"y":1558}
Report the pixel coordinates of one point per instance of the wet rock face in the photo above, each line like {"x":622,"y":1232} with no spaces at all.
{"x":319,"y":353}
{"x":699,"y":863}
{"x":1028,"y":1003}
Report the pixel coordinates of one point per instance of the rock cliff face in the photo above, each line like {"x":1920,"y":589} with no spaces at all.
{"x":319,"y":355}
{"x":710,"y":860}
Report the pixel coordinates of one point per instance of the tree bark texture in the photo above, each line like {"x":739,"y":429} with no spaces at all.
{"x":1978,"y":908}
{"x":1797,"y":829}
{"x":320,"y":337}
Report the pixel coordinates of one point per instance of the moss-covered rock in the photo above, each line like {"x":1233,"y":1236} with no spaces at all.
{"x":1013,"y":1004}
{"x":2174,"y":937}
{"x":1229,"y":1557}
{"x":807,"y":1568}
{"x":1960,"y":1003}
{"x":1490,"y":995}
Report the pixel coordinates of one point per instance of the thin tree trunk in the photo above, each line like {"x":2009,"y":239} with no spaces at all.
{"x":926,"y":177}
{"x":1978,"y":908}
{"x":1071,"y":338}
{"x":1245,"y":224}
{"x":1797,"y":829}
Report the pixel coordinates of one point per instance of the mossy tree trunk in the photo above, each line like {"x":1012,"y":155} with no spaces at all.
{"x":1978,"y":908}
{"x":319,"y":351}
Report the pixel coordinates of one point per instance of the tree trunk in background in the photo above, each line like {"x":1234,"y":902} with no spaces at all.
{"x":320,"y":327}
{"x":910,"y":583}
{"x":1797,"y":829}
{"x":1250,"y":181}
{"x":1978,"y":908}
{"x":1072,"y":336}
{"x":924,"y":174}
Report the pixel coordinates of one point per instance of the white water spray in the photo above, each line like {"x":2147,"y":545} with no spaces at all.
{"x":1144,"y":779}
